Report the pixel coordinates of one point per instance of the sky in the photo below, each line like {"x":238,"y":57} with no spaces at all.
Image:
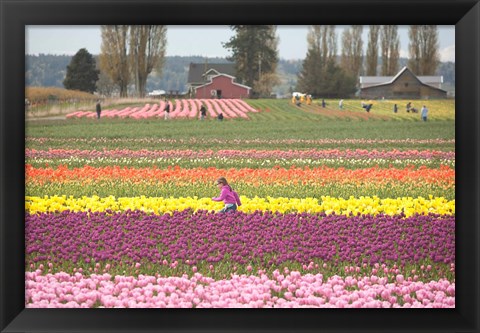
{"x":204,"y":40}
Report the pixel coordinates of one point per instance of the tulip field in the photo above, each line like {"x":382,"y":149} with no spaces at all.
{"x":184,"y":108}
{"x":355,"y":212}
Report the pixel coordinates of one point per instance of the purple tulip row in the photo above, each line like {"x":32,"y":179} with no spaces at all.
{"x":261,"y":238}
{"x":292,"y":290}
{"x":255,"y":154}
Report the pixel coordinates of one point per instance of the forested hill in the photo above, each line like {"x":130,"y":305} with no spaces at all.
{"x":49,"y":71}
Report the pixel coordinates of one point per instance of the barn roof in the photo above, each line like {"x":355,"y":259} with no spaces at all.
{"x":196,"y":71}
{"x":375,"y":81}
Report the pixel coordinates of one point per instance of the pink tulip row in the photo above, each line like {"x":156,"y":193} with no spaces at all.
{"x":179,"y":108}
{"x":288,"y":290}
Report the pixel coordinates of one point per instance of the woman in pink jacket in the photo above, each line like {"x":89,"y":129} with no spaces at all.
{"x":228,"y":196}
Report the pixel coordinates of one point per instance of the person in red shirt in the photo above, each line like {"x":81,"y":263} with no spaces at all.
{"x":228,"y":196}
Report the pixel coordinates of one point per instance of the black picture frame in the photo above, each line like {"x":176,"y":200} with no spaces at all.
{"x":16,"y":14}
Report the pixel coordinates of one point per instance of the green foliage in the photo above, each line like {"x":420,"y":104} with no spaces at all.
{"x":336,"y":83}
{"x":254,"y":51}
{"x":324,"y":81}
{"x":81,"y":73}
{"x":310,"y":77}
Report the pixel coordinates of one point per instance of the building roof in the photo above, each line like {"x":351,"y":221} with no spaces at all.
{"x":375,"y":81}
{"x":196,"y":71}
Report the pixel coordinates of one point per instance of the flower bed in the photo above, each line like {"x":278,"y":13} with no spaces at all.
{"x":324,"y":222}
{"x":184,"y":108}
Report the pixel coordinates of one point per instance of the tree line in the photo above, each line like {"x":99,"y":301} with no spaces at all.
{"x":133,"y":56}
{"x":323,"y":75}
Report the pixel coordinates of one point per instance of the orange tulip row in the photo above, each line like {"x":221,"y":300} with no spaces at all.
{"x":444,"y":176}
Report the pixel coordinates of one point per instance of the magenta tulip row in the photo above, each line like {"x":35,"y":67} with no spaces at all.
{"x":251,"y":153}
{"x":136,"y":236}
{"x":179,"y":108}
{"x":292,"y":290}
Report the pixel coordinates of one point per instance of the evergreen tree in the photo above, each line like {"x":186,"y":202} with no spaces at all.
{"x":310,"y":77}
{"x":81,"y":72}
{"x":324,"y":78}
{"x":254,"y":52}
{"x":320,"y":75}
{"x":336,"y":82}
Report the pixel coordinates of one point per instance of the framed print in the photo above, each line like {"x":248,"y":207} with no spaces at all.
{"x":223,"y":193}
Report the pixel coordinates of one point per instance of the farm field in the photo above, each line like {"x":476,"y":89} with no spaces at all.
{"x":340,"y":208}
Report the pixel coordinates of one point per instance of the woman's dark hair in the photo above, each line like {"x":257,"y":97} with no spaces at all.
{"x":222,"y":180}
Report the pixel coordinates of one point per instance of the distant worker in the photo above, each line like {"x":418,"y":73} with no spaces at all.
{"x":203,"y":112}
{"x":302,"y":98}
{"x":340,"y":104}
{"x":424,"y":113}
{"x":98,"y":108}
{"x":409,"y":105}
{"x":220,"y":116}
{"x":323,"y":103}
{"x":395,"y":108}
{"x":309,"y":99}
{"x":298,"y":101}
{"x":167,"y":110}
{"x":367,"y":106}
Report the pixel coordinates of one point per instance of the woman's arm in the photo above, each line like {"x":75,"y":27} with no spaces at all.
{"x":222,"y":196}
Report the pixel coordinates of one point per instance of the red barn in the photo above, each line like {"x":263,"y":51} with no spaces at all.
{"x":215,"y":81}
{"x":222,"y":86}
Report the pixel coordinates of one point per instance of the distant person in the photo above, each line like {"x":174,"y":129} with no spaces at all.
{"x":409,"y":105}
{"x":167,"y":110}
{"x":298,"y":102}
{"x":424,"y":113}
{"x":340,"y":104}
{"x":228,"y":196}
{"x":323,"y":103}
{"x":395,"y":108}
{"x":203,"y":112}
{"x":220,"y":116}
{"x":309,"y":99}
{"x":367,"y":106}
{"x":98,"y":108}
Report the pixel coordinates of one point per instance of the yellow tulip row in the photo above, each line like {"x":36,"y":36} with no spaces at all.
{"x":329,"y":205}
